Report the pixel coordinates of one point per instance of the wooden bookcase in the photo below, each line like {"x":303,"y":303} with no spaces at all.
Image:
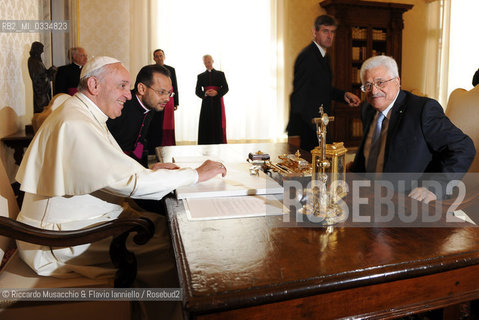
{"x":366,"y":29}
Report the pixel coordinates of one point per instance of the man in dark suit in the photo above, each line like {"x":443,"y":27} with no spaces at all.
{"x":405,"y":133}
{"x":68,"y":76}
{"x":211,"y":86}
{"x":151,"y":93}
{"x":162,"y":128}
{"x":312,"y":84}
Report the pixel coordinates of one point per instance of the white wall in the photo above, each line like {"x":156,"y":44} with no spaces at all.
{"x":16,"y":93}
{"x":104,"y":28}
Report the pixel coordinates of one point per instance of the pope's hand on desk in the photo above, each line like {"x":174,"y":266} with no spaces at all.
{"x":209,"y":169}
{"x":161,"y":165}
{"x":422,"y":194}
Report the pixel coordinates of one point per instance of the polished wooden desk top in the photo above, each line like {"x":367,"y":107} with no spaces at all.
{"x":239,"y":263}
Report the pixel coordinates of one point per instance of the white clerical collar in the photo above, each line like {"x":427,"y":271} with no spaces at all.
{"x":323,"y":52}
{"x":97,"y":113}
{"x":142,"y":105}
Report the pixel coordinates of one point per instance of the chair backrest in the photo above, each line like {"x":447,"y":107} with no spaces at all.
{"x":55,"y":102}
{"x":8,"y":208}
{"x":463,"y":110}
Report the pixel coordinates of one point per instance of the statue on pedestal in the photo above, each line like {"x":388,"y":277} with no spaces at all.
{"x":41,"y":77}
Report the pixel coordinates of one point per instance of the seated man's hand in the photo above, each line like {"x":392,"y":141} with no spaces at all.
{"x":161,"y":165}
{"x":422,"y":194}
{"x":209,"y":169}
{"x":351,"y":99}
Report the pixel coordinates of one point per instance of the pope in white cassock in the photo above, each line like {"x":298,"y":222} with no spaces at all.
{"x":75,"y":175}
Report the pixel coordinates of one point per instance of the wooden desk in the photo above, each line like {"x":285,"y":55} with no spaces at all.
{"x":18,"y":141}
{"x":254,"y":268}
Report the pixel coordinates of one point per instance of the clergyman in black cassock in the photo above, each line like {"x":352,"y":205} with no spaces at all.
{"x":211,"y":86}
{"x":68,"y":76}
{"x":130,"y":129}
{"x":162,"y":127}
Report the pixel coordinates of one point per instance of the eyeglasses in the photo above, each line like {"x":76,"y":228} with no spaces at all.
{"x":380,"y":84}
{"x":162,"y":92}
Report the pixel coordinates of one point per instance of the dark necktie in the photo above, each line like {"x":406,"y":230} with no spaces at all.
{"x":375,"y":144}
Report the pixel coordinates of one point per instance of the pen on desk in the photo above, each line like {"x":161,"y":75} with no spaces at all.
{"x":174,"y":191}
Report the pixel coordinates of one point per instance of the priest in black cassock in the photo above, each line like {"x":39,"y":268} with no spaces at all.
{"x":68,"y":76}
{"x":211,"y":86}
{"x":150,"y":96}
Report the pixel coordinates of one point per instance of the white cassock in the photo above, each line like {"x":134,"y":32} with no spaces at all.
{"x":75,"y":175}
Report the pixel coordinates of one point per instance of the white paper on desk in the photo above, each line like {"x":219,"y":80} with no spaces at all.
{"x":233,"y":207}
{"x":193,"y":161}
{"x":237,"y":182}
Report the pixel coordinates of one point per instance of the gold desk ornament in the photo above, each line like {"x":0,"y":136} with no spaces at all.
{"x":328,"y":160}
{"x":290,"y":165}
{"x":258,"y":160}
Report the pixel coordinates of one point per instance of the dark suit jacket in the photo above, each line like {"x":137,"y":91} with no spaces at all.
{"x":174,"y":83}
{"x":420,"y":139}
{"x":68,"y":76}
{"x":312,"y":87}
{"x":128,"y":127}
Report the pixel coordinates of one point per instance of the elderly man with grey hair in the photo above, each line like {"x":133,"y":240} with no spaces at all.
{"x":75,"y":175}
{"x":407,"y":134}
{"x":68,"y":76}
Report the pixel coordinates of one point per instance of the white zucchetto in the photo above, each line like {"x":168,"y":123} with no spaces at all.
{"x":96,"y":63}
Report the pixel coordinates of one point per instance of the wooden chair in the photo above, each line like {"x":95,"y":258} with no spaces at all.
{"x":463,"y":110}
{"x":14,"y":273}
{"x":39,"y":118}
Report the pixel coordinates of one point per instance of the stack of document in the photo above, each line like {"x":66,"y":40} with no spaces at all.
{"x":237,"y":195}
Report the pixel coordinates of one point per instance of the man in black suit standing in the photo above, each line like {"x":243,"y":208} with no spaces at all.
{"x":312,"y":84}
{"x":68,"y":76}
{"x":151,"y":94}
{"x":405,"y":133}
{"x":162,"y":128}
{"x":211,"y":86}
